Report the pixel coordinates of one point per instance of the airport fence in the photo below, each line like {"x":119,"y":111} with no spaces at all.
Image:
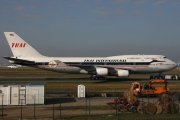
{"x":58,"y":107}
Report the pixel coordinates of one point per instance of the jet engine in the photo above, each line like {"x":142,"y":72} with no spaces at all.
{"x":101,"y":71}
{"x":122,"y":73}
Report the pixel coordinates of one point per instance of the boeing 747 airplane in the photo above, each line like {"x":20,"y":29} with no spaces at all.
{"x":97,"y":67}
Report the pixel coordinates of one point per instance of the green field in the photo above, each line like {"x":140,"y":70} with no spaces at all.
{"x":113,"y":84}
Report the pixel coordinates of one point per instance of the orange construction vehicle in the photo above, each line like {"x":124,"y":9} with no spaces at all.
{"x":155,"y":87}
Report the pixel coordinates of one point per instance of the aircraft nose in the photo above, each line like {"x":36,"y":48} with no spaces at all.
{"x":171,"y":64}
{"x":174,"y":65}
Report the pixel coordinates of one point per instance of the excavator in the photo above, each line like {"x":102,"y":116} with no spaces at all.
{"x":155,"y":87}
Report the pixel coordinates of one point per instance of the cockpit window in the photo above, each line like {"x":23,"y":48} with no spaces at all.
{"x":164,"y":57}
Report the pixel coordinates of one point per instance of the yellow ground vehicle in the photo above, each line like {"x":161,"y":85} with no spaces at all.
{"x":155,"y":87}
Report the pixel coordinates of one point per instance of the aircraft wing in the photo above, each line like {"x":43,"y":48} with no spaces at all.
{"x":19,"y":61}
{"x":92,"y":68}
{"x":89,"y":68}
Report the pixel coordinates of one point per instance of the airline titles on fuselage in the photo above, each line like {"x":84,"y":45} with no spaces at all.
{"x":104,"y":60}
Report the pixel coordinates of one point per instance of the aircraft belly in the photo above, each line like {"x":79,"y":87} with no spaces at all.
{"x":63,"y":69}
{"x":145,"y":70}
{"x":68,"y":70}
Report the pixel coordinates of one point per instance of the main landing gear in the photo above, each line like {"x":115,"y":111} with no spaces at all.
{"x":95,"y":77}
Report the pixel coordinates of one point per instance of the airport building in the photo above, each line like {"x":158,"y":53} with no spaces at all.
{"x":22,"y":93}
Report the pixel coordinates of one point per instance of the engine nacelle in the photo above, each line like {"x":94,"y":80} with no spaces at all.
{"x":101,"y":71}
{"x":122,"y":73}
{"x":83,"y":71}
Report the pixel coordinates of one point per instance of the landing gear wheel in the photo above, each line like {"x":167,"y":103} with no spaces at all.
{"x":94,"y":77}
{"x":102,"y":78}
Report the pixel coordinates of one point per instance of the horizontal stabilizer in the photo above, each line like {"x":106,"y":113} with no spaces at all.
{"x":16,"y":60}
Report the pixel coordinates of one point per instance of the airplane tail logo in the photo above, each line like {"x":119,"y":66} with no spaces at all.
{"x":19,"y":47}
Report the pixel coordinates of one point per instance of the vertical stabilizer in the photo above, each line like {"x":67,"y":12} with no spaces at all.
{"x":19,"y":47}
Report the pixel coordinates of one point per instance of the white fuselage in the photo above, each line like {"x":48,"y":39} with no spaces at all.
{"x":121,"y":66}
{"x":133,"y":63}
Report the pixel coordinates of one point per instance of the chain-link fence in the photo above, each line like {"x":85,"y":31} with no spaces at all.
{"x":65,"y":107}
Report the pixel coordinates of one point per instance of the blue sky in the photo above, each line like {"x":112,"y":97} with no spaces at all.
{"x":91,"y":28}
